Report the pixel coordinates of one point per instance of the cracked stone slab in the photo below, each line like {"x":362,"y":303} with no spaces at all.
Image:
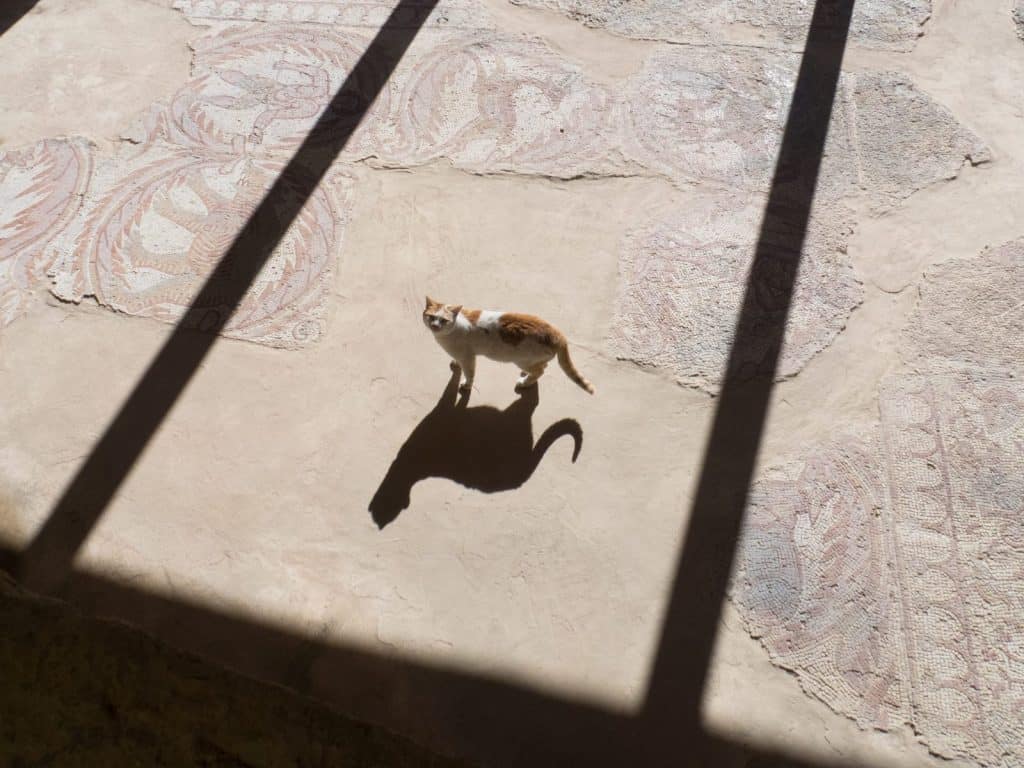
{"x":886,"y":571}
{"x":698,"y":114}
{"x":40,"y":190}
{"x":681,"y":282}
{"x":890,"y":24}
{"x":156,"y":222}
{"x":970,"y":313}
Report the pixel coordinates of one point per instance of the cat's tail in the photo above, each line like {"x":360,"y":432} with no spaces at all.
{"x":570,"y":370}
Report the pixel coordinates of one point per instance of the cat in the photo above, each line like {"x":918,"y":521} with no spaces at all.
{"x":527,"y":341}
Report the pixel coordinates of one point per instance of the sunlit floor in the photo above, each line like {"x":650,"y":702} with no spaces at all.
{"x":606,"y":167}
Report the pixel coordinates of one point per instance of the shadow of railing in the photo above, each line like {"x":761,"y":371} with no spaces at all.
{"x":11,"y":12}
{"x":495,"y":721}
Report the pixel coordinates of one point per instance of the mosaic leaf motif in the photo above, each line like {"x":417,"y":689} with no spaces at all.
{"x":155,"y":225}
{"x":888,"y":573}
{"x":260,"y":89}
{"x":971,"y":313}
{"x":681,"y":283}
{"x":40,"y":190}
{"x":893,"y":24}
{"x":493,"y":104}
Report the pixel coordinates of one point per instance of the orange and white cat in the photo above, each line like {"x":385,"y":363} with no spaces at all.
{"x":527,"y":341}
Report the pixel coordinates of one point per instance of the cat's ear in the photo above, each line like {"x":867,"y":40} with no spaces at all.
{"x":455,"y":310}
{"x":430,"y":302}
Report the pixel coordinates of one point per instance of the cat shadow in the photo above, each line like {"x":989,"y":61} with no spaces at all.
{"x":483,"y":448}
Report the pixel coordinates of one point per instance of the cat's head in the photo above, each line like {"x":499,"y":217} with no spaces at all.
{"x":440,"y":318}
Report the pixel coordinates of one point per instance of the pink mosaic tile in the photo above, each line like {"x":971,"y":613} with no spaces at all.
{"x":681,"y":283}
{"x":156,"y":223}
{"x":40,"y":190}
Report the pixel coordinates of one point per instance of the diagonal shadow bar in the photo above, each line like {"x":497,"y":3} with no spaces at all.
{"x":493,"y":721}
{"x":47,"y":559}
{"x":12,"y":12}
{"x":678,"y":676}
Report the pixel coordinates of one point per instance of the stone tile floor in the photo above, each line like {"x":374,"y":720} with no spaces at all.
{"x":604,"y":165}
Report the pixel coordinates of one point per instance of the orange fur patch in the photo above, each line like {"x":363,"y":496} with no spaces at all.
{"x":473,"y":315}
{"x":514,"y":329}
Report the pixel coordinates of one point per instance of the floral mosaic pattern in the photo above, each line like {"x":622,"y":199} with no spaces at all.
{"x":158,"y":218}
{"x":155,"y":226}
{"x":492,"y":104}
{"x":40,"y":190}
{"x":888,"y":572}
{"x":261,"y":90}
{"x":681,"y":285}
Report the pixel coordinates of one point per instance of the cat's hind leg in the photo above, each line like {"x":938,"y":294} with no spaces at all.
{"x":529,"y":377}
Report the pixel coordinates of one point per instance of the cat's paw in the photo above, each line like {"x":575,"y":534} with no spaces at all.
{"x":455,"y":367}
{"x":465,"y":389}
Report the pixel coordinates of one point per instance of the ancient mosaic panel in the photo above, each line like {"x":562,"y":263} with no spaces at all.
{"x":703,"y":115}
{"x":40,"y":190}
{"x":892,"y":24}
{"x":261,"y":89}
{"x":682,"y":279}
{"x":888,"y":572}
{"x":491,"y":104}
{"x":971,"y":313}
{"x":155,"y":225}
{"x":905,"y":140}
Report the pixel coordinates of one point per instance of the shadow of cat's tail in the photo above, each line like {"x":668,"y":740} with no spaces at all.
{"x":551,"y":434}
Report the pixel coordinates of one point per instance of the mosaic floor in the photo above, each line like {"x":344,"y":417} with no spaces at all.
{"x":605,"y":164}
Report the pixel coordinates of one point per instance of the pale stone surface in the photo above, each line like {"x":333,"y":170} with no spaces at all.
{"x":878,"y":23}
{"x":77,"y":67}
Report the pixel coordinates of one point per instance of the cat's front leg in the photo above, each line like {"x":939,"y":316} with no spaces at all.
{"x":468,"y":366}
